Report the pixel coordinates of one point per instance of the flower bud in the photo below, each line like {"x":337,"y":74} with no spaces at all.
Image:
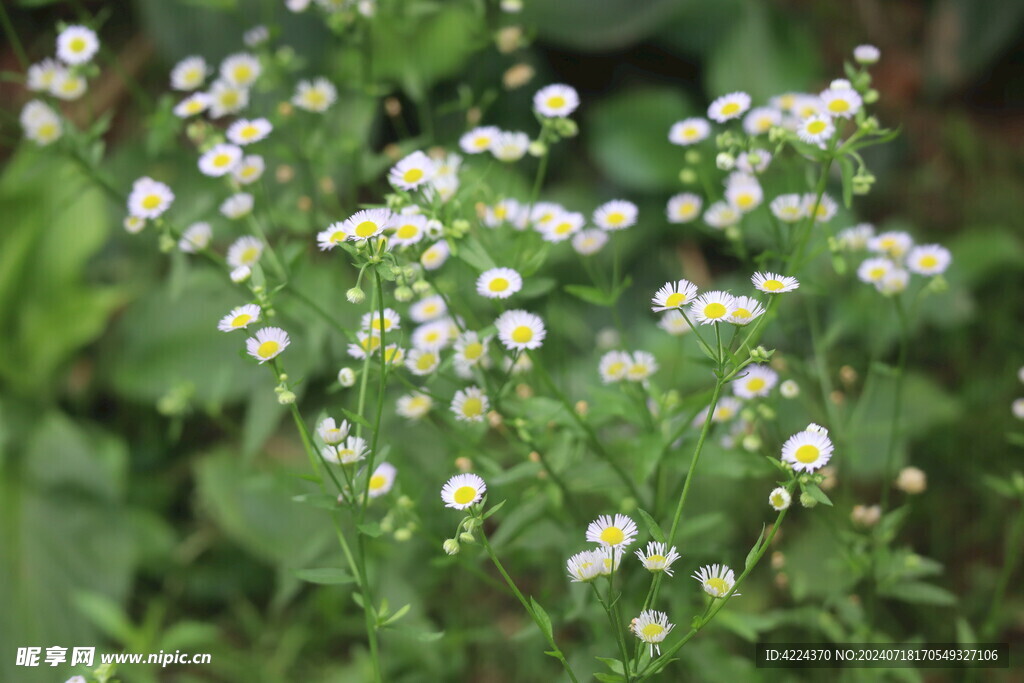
{"x":421,"y":287}
{"x":346,"y":377}
{"x":451,"y":546}
{"x":789,"y":389}
{"x":355,"y":295}
{"x":912,"y":480}
{"x":725,"y":161}
{"x":871,"y":96}
{"x":467,"y":537}
{"x":537,"y":149}
{"x":807,"y":500}
{"x":402,"y":535}
{"x":751,"y":443}
{"x":285,"y":397}
{"x":403,"y":294}
{"x":692,"y":156}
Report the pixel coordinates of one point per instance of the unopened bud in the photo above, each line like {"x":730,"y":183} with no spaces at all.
{"x":355,"y":295}
{"x":451,"y":546}
{"x":725,"y":161}
{"x":346,"y":377}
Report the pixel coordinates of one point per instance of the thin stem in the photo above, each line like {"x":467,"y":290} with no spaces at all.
{"x":616,"y":627}
{"x":12,"y":35}
{"x":544,"y":628}
{"x":1014,"y":543}
{"x":898,"y":398}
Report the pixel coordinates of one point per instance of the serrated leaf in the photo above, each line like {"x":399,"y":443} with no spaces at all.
{"x":327,"y":576}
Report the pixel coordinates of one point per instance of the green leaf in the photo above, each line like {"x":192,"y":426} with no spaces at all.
{"x":609,"y":678}
{"x":919,"y":593}
{"x":472,"y":252}
{"x":846,"y":166}
{"x":816,"y":493}
{"x":543,"y":620}
{"x":371,"y":529}
{"x":357,"y":419}
{"x":656,"y":533}
{"x":402,"y":611}
{"x":591,"y":295}
{"x":494,"y":509}
{"x":324,"y":575}
{"x":614,"y":664}
{"x":753,"y":551}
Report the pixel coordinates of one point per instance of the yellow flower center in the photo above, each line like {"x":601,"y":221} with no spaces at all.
{"x":473,"y":351}
{"x":375,"y":324}
{"x":378,"y":481}
{"x":773,"y":285}
{"x":689,"y":132}
{"x":556,"y":101}
{"x":472,"y":407}
{"x":928,"y":261}
{"x":248,"y":171}
{"x":876,"y":273}
{"x":741,"y":313}
{"x":249,"y":131}
{"x":413,"y":175}
{"x":222,"y":160}
{"x":616,"y":367}
{"x":755,"y":384}
{"x":675,"y":299}
{"x":563,"y":228}
{"x":241,"y":320}
{"x":315,"y":99}
{"x":77,"y":44}
{"x":229,"y":98}
{"x":393,"y":355}
{"x":807,"y":454}
{"x":426,"y":361}
{"x":730,"y":108}
{"x":482,"y":142}
{"x":498,"y":284}
{"x":687,"y":209}
{"x":522,"y":334}
{"x":656,"y":559}
{"x":816,"y":126}
{"x":615,"y":218}
{"x":151,"y":201}
{"x":464,"y":495}
{"x":250,"y":255}
{"x":242,"y":73}
{"x":839,"y":105}
{"x":778,"y":500}
{"x":714,"y":311}
{"x":744,"y":200}
{"x":366,"y":229}
{"x":193,"y":107}
{"x":652,"y":630}
{"x":70,"y":85}
{"x":719,"y":585}
{"x":47,"y":130}
{"x":612,"y":535}
{"x":193,"y":75}
{"x":267,"y":349}
{"x":407,"y":231}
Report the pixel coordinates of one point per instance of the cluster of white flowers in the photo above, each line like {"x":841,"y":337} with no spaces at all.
{"x":616,"y":366}
{"x":894,"y":256}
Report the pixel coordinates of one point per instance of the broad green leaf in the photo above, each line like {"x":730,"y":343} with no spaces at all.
{"x":919,"y":593}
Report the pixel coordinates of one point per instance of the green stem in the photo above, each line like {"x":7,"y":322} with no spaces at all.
{"x":1014,"y":543}
{"x":616,"y":627}
{"x":898,"y":398}
{"x":12,"y":35}
{"x":544,"y":628}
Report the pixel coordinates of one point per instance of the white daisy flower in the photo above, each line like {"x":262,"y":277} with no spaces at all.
{"x":510,"y":146}
{"x":249,"y":169}
{"x":463,"y":491}
{"x":227,"y":98}
{"x":268,"y":343}
{"x":189,"y":73}
{"x":149,"y":198}
{"x":689,"y":131}
{"x":196,"y":103}
{"x":316,"y":95}
{"x":331,"y":433}
{"x":520,"y":330}
{"x":842,"y":103}
{"x":743,"y":192}
{"x":422,"y":362}
{"x":727,"y":408}
{"x":556,"y":101}
{"x":805,"y":106}
{"x":773,"y":283}
{"x":788,"y":208}
{"x":856,"y":238}
{"x":721,"y":215}
{"x":348,"y":452}
{"x":248,"y":131}
{"x":393,"y":354}
{"x":753,"y":162}
{"x":40,"y":76}
{"x":479,"y":139}
{"x":894,"y":282}
{"x":618,"y":532}
{"x":712,"y":307}
{"x":673,"y":295}
{"x":779,"y":499}
{"x":382,"y":479}
{"x":238,"y":205}
{"x":470,"y":350}
{"x":745,"y":310}
{"x":498,"y":283}
{"x":929,"y":259}
{"x":433,"y":335}
{"x":428,"y":308}
{"x":239,"y":318}
{"x":240,"y":274}
{"x":332,"y":236}
{"x":816,"y":130}
{"x":674,"y":323}
{"x":761,"y":119}
{"x":435,"y":255}
{"x":589,"y":242}
{"x":362,"y":225}
{"x":816,"y":428}
{"x":642,"y":365}
{"x":371,"y":321}
{"x":133,"y":224}
{"x":563,"y":226}
{"x":68,"y":86}
{"x":683,"y":208}
{"x":826,"y":207}
{"x":729,"y":107}
{"x":716,"y":579}
{"x":807,"y":451}
{"x":866,"y":54}
{"x":651,"y":627}
{"x":41,"y":124}
{"x":585,"y":566}
{"x":756,"y":380}
{"x":658,"y":557}
{"x":613,"y":366}
{"x":240,"y":70}
{"x":615,"y":215}
{"x":220,"y":159}
{"x":195,"y":238}
{"x":414,"y":406}
{"x":895,"y":243}
{"x":245,"y":251}
{"x":409,"y":229}
{"x":1017,"y":408}
{"x":873,"y":270}
{"x":412,"y":171}
{"x":77,"y":45}
{"x":503,"y":211}
{"x":544,"y":213}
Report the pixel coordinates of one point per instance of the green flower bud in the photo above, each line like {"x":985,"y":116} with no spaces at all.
{"x":871,"y":96}
{"x":537,"y":149}
{"x":692,"y":156}
{"x":403,"y":294}
{"x":421,"y":286}
{"x":467,"y":537}
{"x":807,"y":500}
{"x":347,"y":377}
{"x":403,"y":535}
{"x":451,"y":546}
{"x":725,"y":161}
{"x":688,"y":176}
{"x":355,"y":295}
{"x":285,"y":397}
